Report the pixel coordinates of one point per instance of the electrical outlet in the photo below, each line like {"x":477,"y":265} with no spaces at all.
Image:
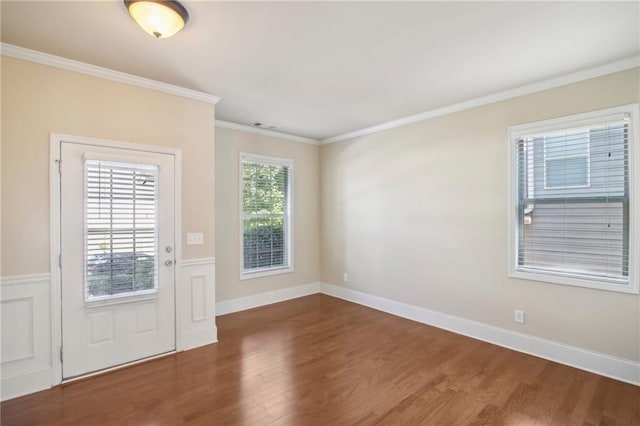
{"x":345,"y":277}
{"x":519,"y":316}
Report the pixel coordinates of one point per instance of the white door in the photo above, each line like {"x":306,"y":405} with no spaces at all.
{"x":117,"y":256}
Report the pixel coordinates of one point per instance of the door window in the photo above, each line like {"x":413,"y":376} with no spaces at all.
{"x":120,"y":231}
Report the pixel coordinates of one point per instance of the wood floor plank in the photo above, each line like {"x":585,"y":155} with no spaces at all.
{"x":318,"y":360}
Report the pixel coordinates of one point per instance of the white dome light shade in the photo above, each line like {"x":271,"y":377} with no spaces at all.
{"x":159,"y":18}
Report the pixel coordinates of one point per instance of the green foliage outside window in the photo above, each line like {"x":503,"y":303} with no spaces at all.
{"x":264,"y":189}
{"x":264,"y":202}
{"x":120,"y":273}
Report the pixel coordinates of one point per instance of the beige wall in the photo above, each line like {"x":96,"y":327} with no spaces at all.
{"x":38,"y":100}
{"x":229,"y":144}
{"x":418,"y":214}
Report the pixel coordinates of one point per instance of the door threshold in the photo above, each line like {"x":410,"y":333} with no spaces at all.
{"x":115,"y":368}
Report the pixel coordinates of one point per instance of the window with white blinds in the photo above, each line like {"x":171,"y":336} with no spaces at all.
{"x":120,"y":230}
{"x":572,"y":201}
{"x":266,"y":215}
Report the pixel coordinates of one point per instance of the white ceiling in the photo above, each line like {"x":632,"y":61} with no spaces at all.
{"x":321,"y":69}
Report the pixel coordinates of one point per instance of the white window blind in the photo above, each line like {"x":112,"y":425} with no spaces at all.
{"x":121,"y":223}
{"x":562,"y":156}
{"x":266,"y":213}
{"x":573,"y":200}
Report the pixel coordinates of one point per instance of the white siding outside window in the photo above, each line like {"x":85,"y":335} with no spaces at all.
{"x":573,"y":200}
{"x":266,"y":215}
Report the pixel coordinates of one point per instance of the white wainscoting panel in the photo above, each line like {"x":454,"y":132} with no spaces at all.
{"x":197,"y":323}
{"x":26,"y":362}
{"x":26,"y":334}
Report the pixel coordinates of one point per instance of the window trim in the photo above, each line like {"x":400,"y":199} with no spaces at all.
{"x":629,"y":112}
{"x":289,"y":220}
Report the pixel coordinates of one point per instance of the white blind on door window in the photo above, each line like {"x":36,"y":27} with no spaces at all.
{"x":266,"y":215}
{"x":573,"y":202}
{"x":121,"y":225}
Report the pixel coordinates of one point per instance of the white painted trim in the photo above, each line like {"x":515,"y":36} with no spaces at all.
{"x":199,"y":337}
{"x":205,"y":261}
{"x":288,"y":220}
{"x":117,"y":367}
{"x":618,"y":113}
{"x":133,"y":80}
{"x":24,"y":279}
{"x":25,"y":383}
{"x":599,"y":71}
{"x":265,"y":132}
{"x":177,"y":243}
{"x":634,"y":205}
{"x":54,"y":253}
{"x":605,"y":365}
{"x":31,"y":372}
{"x":249,"y":302}
{"x":104,"y":73}
{"x":109,"y":143}
{"x":264,"y":272}
{"x":55,"y":141}
{"x":598,"y":363}
{"x":198,"y":330}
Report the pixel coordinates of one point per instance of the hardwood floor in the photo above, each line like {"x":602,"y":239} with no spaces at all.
{"x":320,"y":360}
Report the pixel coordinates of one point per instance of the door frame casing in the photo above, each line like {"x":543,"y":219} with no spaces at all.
{"x":55,"y":141}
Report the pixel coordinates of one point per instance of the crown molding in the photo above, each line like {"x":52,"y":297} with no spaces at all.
{"x":599,"y":71}
{"x":121,"y":77}
{"x":265,"y":132}
{"x":104,"y":73}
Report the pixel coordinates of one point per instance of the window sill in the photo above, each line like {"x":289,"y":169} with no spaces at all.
{"x":265,"y":273}
{"x":550,"y":277}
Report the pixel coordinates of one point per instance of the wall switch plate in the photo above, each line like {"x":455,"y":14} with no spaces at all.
{"x":195,"y":238}
{"x":345,"y":277}
{"x":519,"y":316}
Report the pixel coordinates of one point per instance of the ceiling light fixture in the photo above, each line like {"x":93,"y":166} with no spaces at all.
{"x":160,"y":18}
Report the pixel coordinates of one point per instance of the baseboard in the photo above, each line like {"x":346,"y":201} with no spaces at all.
{"x":598,"y":363}
{"x":267,"y":298}
{"x":602,"y":364}
{"x":199,"y":337}
{"x":26,"y":383}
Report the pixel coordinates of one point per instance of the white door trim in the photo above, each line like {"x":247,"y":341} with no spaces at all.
{"x":55,"y":140}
